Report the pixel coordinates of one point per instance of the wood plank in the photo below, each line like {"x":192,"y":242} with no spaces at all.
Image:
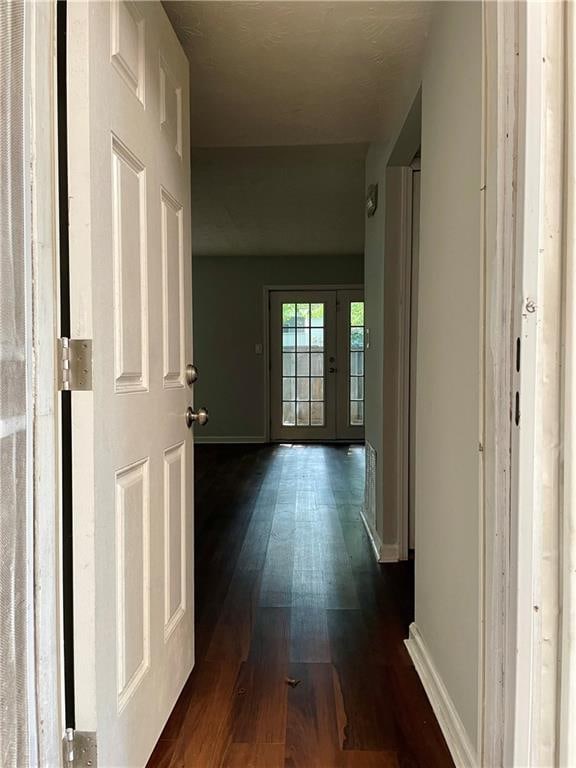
{"x":276,"y":590}
{"x":312,"y":728}
{"x":259,"y":713}
{"x":366,"y":759}
{"x":271,"y":636}
{"x":367,"y":702}
{"x":254,"y":756}
{"x":232,"y":636}
{"x":163,"y":754}
{"x":419,"y":734}
{"x":309,"y":637}
{"x":206,"y":730}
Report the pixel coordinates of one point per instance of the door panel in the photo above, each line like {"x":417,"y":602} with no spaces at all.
{"x":131,"y":292}
{"x":303,"y":350}
{"x":351,"y":351}
{"x":317,"y":365}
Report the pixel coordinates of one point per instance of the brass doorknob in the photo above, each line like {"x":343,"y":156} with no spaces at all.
{"x":199,"y":417}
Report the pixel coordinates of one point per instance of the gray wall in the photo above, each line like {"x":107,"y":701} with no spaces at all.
{"x":447,"y":468}
{"x":449,"y":354}
{"x":228,"y":323}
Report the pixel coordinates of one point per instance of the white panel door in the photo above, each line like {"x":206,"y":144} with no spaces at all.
{"x":131,"y":292}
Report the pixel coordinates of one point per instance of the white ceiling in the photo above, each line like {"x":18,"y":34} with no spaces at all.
{"x":285,"y":73}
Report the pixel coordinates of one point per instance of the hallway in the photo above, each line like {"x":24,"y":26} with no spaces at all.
{"x":300,"y":659}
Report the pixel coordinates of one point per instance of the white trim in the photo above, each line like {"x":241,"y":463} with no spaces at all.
{"x":404,"y":342}
{"x":459,"y":744}
{"x":228,"y":439}
{"x":499,"y":214}
{"x":389,"y":553}
{"x":44,"y":203}
{"x":384,"y":553}
{"x":533,"y":648}
{"x":372,"y":535}
{"x":30,"y":471}
{"x":567,"y":699}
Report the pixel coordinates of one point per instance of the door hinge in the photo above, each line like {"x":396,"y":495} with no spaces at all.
{"x":79,"y":749}
{"x":74,"y":364}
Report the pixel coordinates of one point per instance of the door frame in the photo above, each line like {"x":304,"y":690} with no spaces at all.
{"x":406,"y":337}
{"x":41,"y":38}
{"x":267,"y":372}
{"x":524,"y":121}
{"x":507,"y":85}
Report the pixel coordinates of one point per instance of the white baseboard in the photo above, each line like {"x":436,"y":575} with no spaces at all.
{"x":385,"y":553}
{"x":372,"y":535}
{"x":458,"y":741}
{"x":389,"y":553}
{"x":229,"y":440}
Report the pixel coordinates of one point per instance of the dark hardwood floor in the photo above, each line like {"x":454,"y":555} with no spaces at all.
{"x":300,"y":660}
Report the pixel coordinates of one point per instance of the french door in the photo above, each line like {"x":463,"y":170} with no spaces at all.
{"x":317,"y":365}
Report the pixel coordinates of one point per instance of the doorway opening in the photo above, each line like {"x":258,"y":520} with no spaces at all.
{"x":283,"y":561}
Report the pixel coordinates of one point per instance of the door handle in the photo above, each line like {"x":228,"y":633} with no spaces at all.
{"x":191,"y":374}
{"x":332,"y":370}
{"x":199,"y":417}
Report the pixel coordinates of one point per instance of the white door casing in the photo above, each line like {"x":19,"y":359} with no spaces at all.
{"x":130,"y":286}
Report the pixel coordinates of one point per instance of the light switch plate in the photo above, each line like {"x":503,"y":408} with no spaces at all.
{"x":258,"y":349}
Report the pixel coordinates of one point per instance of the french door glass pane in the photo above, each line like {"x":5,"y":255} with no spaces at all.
{"x":357,"y":338}
{"x":289,"y":364}
{"x":303,"y":391}
{"x":356,"y":399}
{"x":317,"y":315}
{"x":288,"y":341}
{"x":357,"y":314}
{"x":303,"y":415}
{"x":303,"y":364}
{"x":303,"y":338}
{"x":303,"y":315}
{"x":356,"y":414}
{"x":356,"y":388}
{"x":288,"y":389}
{"x":357,"y":363}
{"x":289,"y":414}
{"x":317,"y":414}
{"x":288,"y":315}
{"x":317,"y":389}
{"x":317,"y":364}
{"x":317,"y":339}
